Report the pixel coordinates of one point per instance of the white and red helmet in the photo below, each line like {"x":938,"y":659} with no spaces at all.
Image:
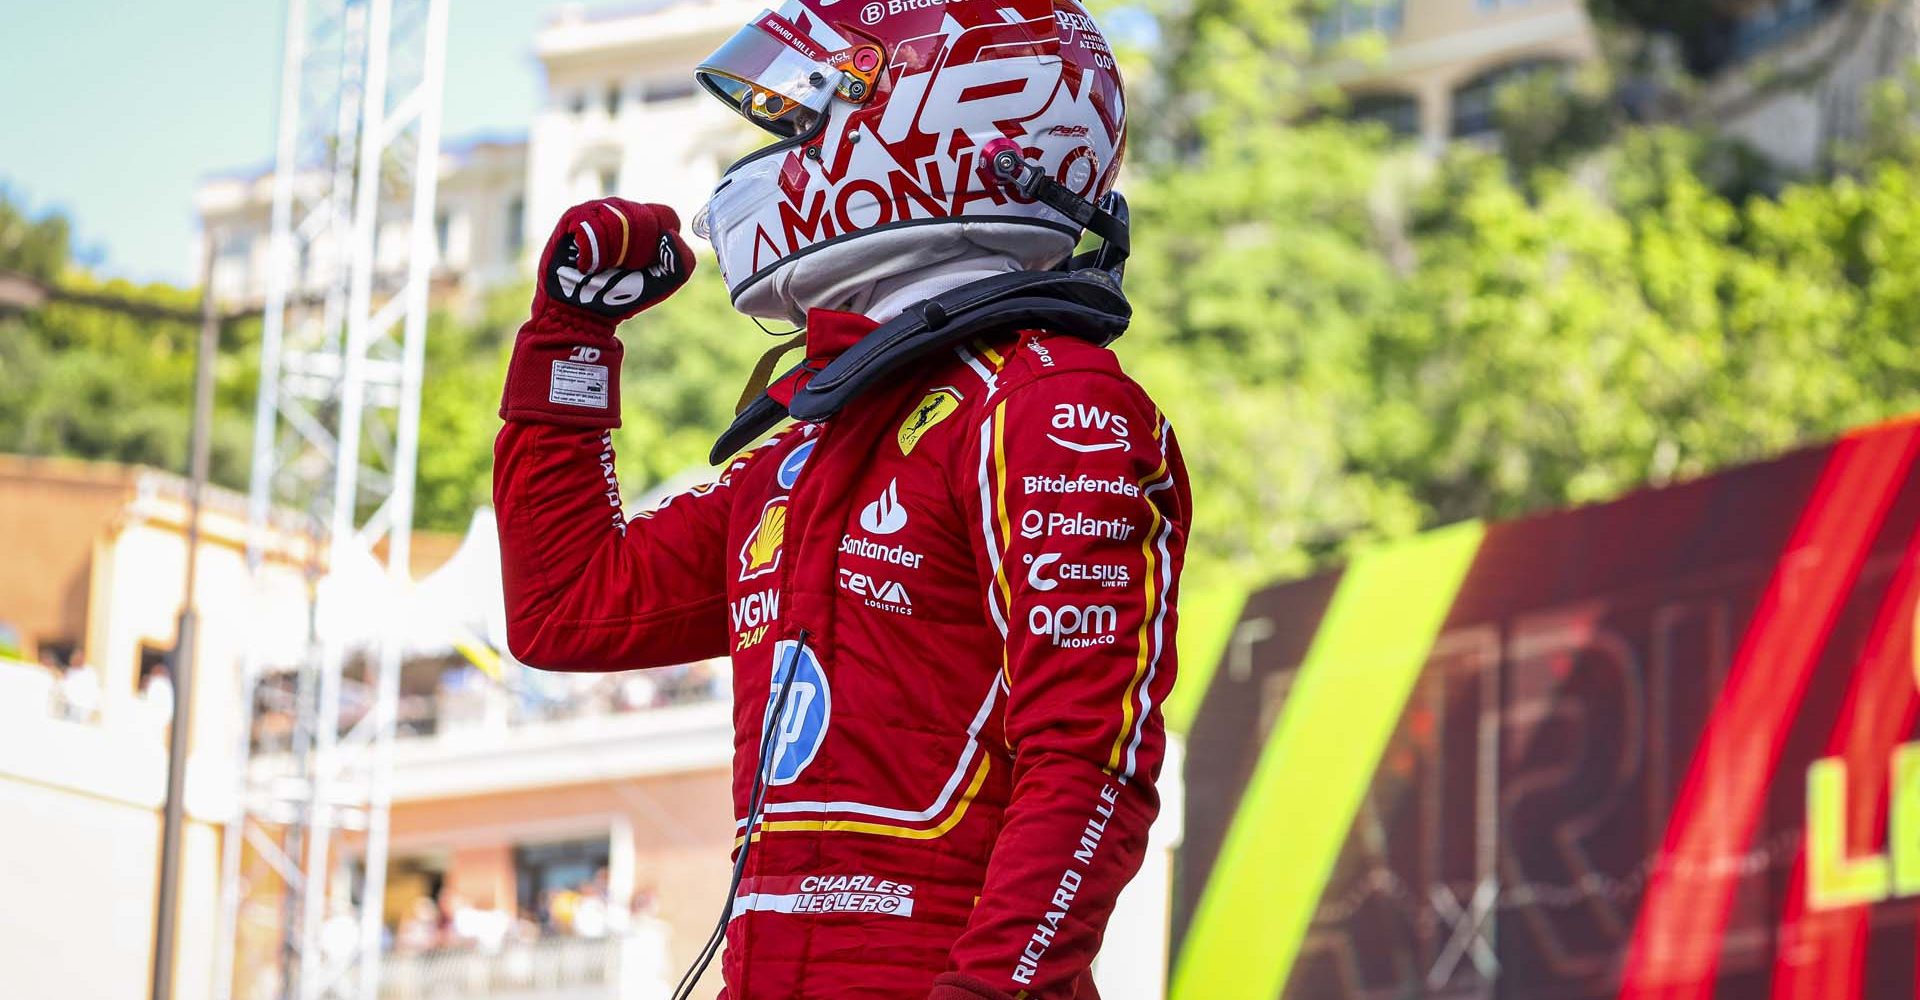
{"x":884,"y":111}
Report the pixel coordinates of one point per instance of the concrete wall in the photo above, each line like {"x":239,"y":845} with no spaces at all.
{"x":80,"y":805}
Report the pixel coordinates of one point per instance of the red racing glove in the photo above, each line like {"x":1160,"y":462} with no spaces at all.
{"x":607,"y":261}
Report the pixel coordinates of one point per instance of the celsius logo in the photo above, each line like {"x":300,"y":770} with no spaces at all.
{"x":885,"y":516}
{"x":791,"y":465}
{"x":1045,"y":572}
{"x":804,"y":717}
{"x":1075,"y":628}
{"x":1035,"y":566}
{"x":873,"y":13}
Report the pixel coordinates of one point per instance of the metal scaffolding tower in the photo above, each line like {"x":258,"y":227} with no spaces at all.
{"x":336,"y":436}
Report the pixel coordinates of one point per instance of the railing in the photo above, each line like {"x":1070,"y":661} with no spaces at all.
{"x":614,"y":968}
{"x":470,"y":703}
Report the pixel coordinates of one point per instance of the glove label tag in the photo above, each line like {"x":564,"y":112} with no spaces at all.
{"x":575,"y":384}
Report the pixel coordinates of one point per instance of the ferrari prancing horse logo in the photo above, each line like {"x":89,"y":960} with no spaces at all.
{"x":938,"y":406}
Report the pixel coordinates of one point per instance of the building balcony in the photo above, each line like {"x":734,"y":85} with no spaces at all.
{"x":490,"y":756}
{"x":628,"y":967}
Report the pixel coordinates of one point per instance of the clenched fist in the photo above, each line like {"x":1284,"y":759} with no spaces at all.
{"x":608,"y":260}
{"x":614,"y":258}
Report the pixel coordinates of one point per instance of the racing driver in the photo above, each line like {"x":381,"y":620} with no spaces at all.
{"x":944,"y":551}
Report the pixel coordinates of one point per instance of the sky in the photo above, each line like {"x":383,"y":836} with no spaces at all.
{"x":115,"y":110}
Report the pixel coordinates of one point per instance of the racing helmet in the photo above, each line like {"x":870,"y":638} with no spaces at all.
{"x":888,"y":119}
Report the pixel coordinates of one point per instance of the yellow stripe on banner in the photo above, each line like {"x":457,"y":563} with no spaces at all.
{"x":882,"y":829}
{"x":1146,"y":619}
{"x":625,"y":234}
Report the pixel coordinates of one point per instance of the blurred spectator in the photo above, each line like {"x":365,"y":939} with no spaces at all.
{"x":156,"y":696}
{"x":419,"y":930}
{"x":340,"y":935}
{"x":638,"y":690}
{"x":473,"y":927}
{"x":590,"y":915}
{"x":79,"y":693}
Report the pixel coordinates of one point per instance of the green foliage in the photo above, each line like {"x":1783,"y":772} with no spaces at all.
{"x":35,"y":246}
{"x":1355,"y":342}
{"x":84,"y":381}
{"x":686,"y":364}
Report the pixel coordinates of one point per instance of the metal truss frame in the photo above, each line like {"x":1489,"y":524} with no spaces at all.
{"x":336,"y":436}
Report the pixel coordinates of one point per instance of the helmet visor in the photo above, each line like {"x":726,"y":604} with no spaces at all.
{"x":773,"y":75}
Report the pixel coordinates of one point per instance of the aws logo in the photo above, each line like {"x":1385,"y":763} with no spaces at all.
{"x":760,"y":554}
{"x":1075,"y":418}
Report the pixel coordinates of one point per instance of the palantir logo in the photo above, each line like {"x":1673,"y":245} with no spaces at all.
{"x":805,"y":716}
{"x":885,"y":516}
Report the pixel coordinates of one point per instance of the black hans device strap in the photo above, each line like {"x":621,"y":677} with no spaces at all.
{"x":1086,"y":303}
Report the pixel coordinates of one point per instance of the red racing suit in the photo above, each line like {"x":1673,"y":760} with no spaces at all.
{"x":966,"y":582}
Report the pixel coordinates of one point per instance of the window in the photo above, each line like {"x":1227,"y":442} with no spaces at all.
{"x":1400,"y":113}
{"x":1348,"y":18}
{"x":516,"y":224}
{"x":579,"y":103}
{"x":442,"y":223}
{"x":1488,"y":6}
{"x":609,"y":178}
{"x":550,"y":878}
{"x":59,"y":653}
{"x":1475,"y":103}
{"x":1768,"y":23}
{"x":234,"y":245}
{"x":613,"y":101}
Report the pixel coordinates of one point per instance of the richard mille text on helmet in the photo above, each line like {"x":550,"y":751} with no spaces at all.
{"x":947,"y":579}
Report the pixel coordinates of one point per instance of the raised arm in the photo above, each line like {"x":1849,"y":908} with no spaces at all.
{"x":585,"y":589}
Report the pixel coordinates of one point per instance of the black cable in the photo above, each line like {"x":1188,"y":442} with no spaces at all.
{"x":755,"y":800}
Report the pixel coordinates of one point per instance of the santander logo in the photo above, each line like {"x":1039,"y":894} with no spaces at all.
{"x":885,"y":516}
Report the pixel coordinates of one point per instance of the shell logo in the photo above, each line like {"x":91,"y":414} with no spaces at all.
{"x":760,"y":554}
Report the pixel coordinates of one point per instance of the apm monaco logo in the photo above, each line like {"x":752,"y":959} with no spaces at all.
{"x":1074,"y":627}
